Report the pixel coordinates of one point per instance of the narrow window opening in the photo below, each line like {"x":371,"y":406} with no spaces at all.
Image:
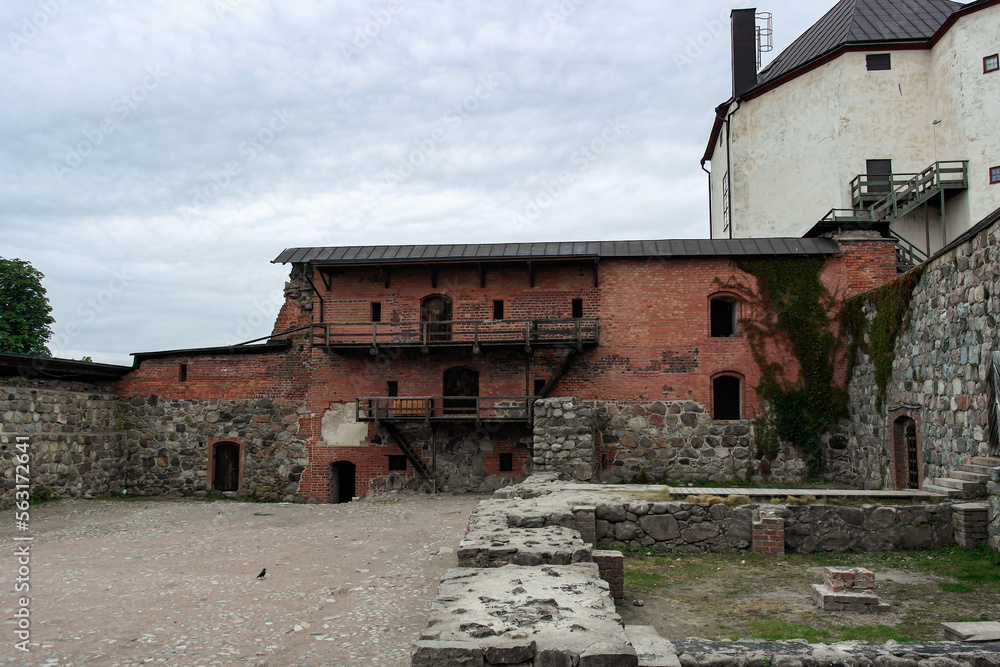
{"x":726,"y":397}
{"x":577,"y":308}
{"x":539,"y":385}
{"x":723,"y":317}
{"x":397,"y":462}
{"x":878,"y":61}
{"x":991,"y":63}
{"x":994,"y":175}
{"x":498,"y":309}
{"x":392,"y":388}
{"x":376,"y":311}
{"x":879,"y":176}
{"x":506,"y":462}
{"x":182,"y":374}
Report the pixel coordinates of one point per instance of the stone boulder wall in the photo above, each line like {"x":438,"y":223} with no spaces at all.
{"x":169,"y":450}
{"x":75,"y":445}
{"x":679,"y":441}
{"x":564,"y":438}
{"x":680,"y":526}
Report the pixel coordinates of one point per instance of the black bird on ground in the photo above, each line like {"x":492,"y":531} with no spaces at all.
{"x":262,"y":573}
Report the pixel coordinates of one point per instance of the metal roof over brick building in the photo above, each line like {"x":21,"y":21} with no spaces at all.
{"x":479,"y":252}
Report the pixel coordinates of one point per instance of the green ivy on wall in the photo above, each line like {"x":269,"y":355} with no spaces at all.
{"x":891,"y":303}
{"x":792,"y":303}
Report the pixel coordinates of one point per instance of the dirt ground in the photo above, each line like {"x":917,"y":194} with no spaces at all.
{"x":719,"y":596}
{"x":173,"y":582}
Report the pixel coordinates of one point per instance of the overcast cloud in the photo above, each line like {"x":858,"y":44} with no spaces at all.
{"x":156,"y":156}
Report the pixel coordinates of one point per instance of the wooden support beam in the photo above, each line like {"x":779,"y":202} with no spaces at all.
{"x":596,"y":279}
{"x":482,"y":274}
{"x":385,"y":275}
{"x":551,"y":382}
{"x":531,"y":274}
{"x":325,"y":277}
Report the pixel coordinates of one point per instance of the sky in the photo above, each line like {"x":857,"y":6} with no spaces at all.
{"x":156,"y":156}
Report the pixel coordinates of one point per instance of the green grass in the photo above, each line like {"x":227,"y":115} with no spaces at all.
{"x":782,"y":630}
{"x":949,"y":587}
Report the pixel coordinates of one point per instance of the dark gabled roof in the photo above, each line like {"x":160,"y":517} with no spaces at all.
{"x":272,"y":345}
{"x":861,"y":22}
{"x":484,"y":252}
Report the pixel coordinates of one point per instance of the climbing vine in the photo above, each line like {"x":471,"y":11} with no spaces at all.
{"x":791,"y":303}
{"x":891,"y":305}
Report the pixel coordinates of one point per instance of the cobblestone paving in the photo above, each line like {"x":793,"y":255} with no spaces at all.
{"x":171,"y":582}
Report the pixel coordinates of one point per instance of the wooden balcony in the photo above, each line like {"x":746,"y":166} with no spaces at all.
{"x":444,"y":409}
{"x":477,"y":335}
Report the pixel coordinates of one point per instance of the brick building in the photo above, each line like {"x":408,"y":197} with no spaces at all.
{"x":419,"y":365}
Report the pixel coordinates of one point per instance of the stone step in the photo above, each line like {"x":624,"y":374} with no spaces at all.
{"x":652,"y":649}
{"x":991,"y":461}
{"x":960,"y":484}
{"x":943,"y":490}
{"x":977,"y":477}
{"x":979,"y":470}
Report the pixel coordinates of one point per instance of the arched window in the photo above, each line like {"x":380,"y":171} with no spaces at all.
{"x":723,"y":315}
{"x":435,"y":317}
{"x":727,"y":397}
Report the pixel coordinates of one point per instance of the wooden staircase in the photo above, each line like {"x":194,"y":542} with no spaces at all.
{"x":964,"y":479}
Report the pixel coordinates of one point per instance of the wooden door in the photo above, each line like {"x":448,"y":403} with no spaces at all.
{"x":226,"y":465}
{"x":435,"y":318}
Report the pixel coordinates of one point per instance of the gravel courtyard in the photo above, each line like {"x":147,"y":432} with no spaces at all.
{"x":172,"y":582}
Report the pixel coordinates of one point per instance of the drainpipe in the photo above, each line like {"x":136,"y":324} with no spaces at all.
{"x":711,"y":229}
{"x":729,"y":159}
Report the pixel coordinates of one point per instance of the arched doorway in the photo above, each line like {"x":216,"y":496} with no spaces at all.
{"x":905,"y":446}
{"x":726,"y":403}
{"x":435,"y":317}
{"x":226,"y":466}
{"x":342,"y":482}
{"x":460,"y":381}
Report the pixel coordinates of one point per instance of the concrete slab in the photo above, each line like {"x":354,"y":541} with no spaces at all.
{"x":652,"y":649}
{"x":560,"y":608}
{"x":982,"y":631}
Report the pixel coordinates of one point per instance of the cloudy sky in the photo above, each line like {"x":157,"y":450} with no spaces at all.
{"x":157,"y":155}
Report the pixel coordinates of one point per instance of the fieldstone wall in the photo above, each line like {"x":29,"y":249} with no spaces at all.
{"x":76,"y":446}
{"x":941,"y":366}
{"x":993,"y":525}
{"x":681,"y":526}
{"x":564,"y":438}
{"x":458,"y":455}
{"x":678,"y":441}
{"x":169,"y":445}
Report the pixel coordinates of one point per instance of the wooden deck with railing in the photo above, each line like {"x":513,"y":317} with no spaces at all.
{"x":578,"y":332}
{"x":444,"y":408}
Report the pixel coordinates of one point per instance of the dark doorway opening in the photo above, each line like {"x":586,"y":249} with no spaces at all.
{"x":723,"y":316}
{"x":460,"y":381}
{"x":879,"y":176}
{"x":907,"y":453}
{"x":726,"y":397}
{"x":577,"y":308}
{"x":226,"y":466}
{"x":435,"y":318}
{"x":342,"y":478}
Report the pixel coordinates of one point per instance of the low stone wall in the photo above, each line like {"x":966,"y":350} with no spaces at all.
{"x":75,"y":444}
{"x":169,"y":441}
{"x":680,"y":526}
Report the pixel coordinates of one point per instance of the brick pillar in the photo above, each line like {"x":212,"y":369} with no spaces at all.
{"x":586,"y":523}
{"x":970,"y":521}
{"x":612,"y":567}
{"x":768,"y":533}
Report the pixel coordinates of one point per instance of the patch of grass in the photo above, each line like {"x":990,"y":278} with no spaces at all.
{"x":979,"y":565}
{"x":871,"y":633}
{"x":949,"y":587}
{"x":781,"y":630}
{"x":643,"y":580}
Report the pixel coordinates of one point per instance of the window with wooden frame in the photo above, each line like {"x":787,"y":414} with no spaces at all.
{"x":991,"y":63}
{"x":994,"y":175}
{"x":878,"y":61}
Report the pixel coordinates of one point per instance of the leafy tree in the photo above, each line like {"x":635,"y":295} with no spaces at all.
{"x":25,"y":313}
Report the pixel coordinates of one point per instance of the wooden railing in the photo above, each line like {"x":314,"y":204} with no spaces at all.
{"x":444,"y":408}
{"x":569,"y":331}
{"x":886,"y":194}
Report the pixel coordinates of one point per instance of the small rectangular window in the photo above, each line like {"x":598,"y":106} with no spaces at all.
{"x":878,"y":61}
{"x":539,"y":385}
{"x":577,"y":308}
{"x":722,"y":316}
{"x":392,"y":388}
{"x":498,"y":309}
{"x":506,"y":462}
{"x":182,"y":373}
{"x":994,"y":175}
{"x":991,"y":63}
{"x":878,"y":176}
{"x":397,"y":462}
{"x":376,"y":311}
